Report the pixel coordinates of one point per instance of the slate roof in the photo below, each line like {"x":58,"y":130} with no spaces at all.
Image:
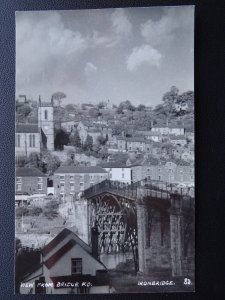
{"x":113,"y":165}
{"x":79,"y":169}
{"x":169,"y":126}
{"x":29,"y":172}
{"x":136,"y":139}
{"x":65,"y":248}
{"x":148,"y":133}
{"x":94,"y":131}
{"x":177,"y":137}
{"x":58,"y":254}
{"x":27,"y":128}
{"x":121,"y":138}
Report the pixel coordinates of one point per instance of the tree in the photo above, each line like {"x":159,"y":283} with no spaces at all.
{"x":70,"y":107}
{"x":88,"y":144}
{"x":34,"y":160}
{"x":75,"y":139}
{"x":58,"y":96}
{"x":61,"y":139}
{"x":93,"y":112}
{"x":141,"y":107}
{"x":50,"y":210}
{"x":188,"y":99}
{"x":101,"y":139}
{"x":50,"y":163}
{"x":101,"y":105}
{"x":170,"y":99}
{"x":22,"y":112}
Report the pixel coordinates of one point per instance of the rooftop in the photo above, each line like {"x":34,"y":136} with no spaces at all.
{"x":27,"y":128}
{"x":114,"y":165}
{"x":177,"y":137}
{"x":136,"y":139}
{"x":29,"y":172}
{"x":79,"y":170}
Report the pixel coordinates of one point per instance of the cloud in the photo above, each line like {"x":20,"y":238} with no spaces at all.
{"x":163,"y":31}
{"x":159,"y":31}
{"x":143,"y":55}
{"x":90,"y":68}
{"x":120,"y":23}
{"x":120,"y":28}
{"x":45,"y":48}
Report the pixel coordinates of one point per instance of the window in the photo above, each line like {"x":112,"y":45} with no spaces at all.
{"x":122,"y":175}
{"x":18,"y":140}
{"x":76,"y":266}
{"x":122,"y":169}
{"x":33,"y":140}
{"x":110,"y":175}
{"x":159,"y":170}
{"x":40,"y":186}
{"x":18,"y":186}
{"x":30,"y":140}
{"x":62,"y":186}
{"x":46,"y":115}
{"x":72,"y":186}
{"x":40,"y":179}
{"x":18,"y":179}
{"x":62,"y":177}
{"x":71,"y":178}
{"x":81,"y":186}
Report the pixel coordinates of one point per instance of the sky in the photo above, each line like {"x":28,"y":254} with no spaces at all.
{"x":119,"y":54}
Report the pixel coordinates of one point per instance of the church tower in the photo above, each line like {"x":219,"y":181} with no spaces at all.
{"x":46,"y":124}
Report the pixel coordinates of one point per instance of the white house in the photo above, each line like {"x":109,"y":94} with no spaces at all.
{"x":118,"y":172}
{"x":170,"y":129}
{"x":68,"y":266}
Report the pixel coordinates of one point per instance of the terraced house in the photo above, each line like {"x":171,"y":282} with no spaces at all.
{"x":31,"y":181}
{"x":70,"y":180}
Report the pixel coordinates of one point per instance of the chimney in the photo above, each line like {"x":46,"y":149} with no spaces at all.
{"x":94,"y":241}
{"x":39,"y":100}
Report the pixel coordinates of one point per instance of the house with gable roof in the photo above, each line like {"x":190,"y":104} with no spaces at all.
{"x":68,"y":266}
{"x":70,"y":180}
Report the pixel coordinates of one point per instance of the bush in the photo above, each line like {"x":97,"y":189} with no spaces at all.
{"x":35,"y":211}
{"x":22,"y":211}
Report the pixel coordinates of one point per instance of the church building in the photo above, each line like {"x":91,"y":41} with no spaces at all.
{"x":36,"y":137}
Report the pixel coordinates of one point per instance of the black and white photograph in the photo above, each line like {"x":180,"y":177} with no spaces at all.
{"x":105,"y":151}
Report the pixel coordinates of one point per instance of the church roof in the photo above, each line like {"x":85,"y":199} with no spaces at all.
{"x":27,"y":128}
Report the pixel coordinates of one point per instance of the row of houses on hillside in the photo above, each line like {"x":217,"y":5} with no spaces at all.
{"x":71,"y":180}
{"x":173,"y":145}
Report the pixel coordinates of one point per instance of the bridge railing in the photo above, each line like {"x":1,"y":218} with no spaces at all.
{"x":152,"y":188}
{"x":113,"y":186}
